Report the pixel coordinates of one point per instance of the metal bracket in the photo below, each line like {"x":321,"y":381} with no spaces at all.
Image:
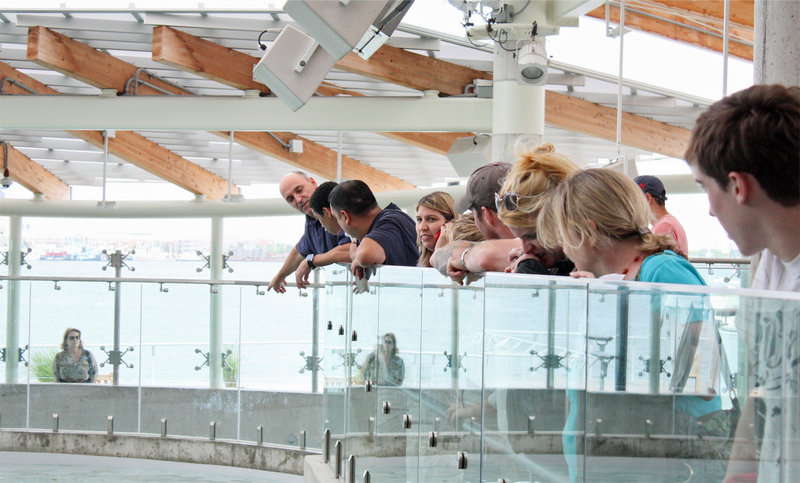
{"x":205,"y":355}
{"x":225,"y":265}
{"x":454,"y":361}
{"x":661,"y":368}
{"x":549,"y":361}
{"x":312,"y":362}
{"x":20,"y":354}
{"x":22,"y":260}
{"x":115,"y":357}
{"x":117,"y":260}
{"x":348,"y":359}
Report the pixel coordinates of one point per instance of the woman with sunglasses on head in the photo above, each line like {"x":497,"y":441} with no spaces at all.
{"x":534,"y":176}
{"x":433,"y":211}
{"x":383,"y":366}
{"x":74,"y":363}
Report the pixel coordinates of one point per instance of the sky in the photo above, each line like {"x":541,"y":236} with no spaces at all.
{"x":647,"y":59}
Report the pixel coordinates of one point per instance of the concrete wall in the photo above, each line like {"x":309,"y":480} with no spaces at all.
{"x":85,"y":407}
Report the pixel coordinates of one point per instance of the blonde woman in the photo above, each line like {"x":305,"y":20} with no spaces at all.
{"x":74,"y":363}
{"x":600,"y":219}
{"x":532,"y":177}
{"x":433,"y":211}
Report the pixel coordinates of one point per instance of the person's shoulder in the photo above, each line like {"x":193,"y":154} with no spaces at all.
{"x":669,"y":267}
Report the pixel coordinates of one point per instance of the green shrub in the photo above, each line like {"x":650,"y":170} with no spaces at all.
{"x":42,"y":364}
{"x":230,"y":371}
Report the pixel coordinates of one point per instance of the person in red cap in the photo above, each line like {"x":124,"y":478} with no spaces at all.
{"x":664,"y":223}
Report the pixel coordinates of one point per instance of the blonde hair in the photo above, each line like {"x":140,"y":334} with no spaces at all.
{"x":463,"y":227}
{"x":535,"y":172}
{"x":437,"y":201}
{"x":598,"y":207}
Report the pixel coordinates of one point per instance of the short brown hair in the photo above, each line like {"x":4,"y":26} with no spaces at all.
{"x":755,"y":131}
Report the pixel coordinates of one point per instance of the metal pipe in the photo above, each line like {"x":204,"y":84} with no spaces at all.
{"x":116,"y":359}
{"x":454,"y":298}
{"x":621,"y":373}
{"x":551,"y":333}
{"x":315,"y":333}
{"x":215,"y":300}
{"x":13,"y":299}
{"x":326,"y":445}
{"x":338,"y":455}
{"x":725,"y":41}
{"x":15,"y":83}
{"x":655,"y":342}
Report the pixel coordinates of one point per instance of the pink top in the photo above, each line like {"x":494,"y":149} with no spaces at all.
{"x":669,"y":224}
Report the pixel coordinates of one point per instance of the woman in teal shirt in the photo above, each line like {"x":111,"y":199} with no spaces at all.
{"x":600,"y":218}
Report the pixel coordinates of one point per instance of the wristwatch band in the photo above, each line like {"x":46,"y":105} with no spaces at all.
{"x":310,"y":261}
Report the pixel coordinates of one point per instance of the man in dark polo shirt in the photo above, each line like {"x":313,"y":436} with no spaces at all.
{"x":316,"y":248}
{"x":385,"y":236}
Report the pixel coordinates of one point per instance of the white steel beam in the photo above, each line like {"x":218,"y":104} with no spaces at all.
{"x":428,"y":113}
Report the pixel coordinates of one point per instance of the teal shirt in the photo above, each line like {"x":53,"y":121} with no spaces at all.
{"x":668,"y":267}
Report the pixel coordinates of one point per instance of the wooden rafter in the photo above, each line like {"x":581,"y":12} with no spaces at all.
{"x":63,"y":54}
{"x":740,"y":12}
{"x":32,"y":175}
{"x":693,"y":25}
{"x":409,"y":69}
{"x":561,"y":110}
{"x":230,"y":67}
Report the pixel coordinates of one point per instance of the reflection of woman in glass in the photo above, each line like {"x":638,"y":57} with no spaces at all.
{"x":74,"y":363}
{"x":383,"y":366}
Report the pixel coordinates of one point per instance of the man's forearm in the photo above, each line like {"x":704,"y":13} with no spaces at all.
{"x":442,"y":255}
{"x":340,"y":254}
{"x":291,"y":263}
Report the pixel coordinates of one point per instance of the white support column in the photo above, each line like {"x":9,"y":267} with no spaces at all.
{"x":215,"y":323}
{"x":517,"y":110}
{"x":12,"y":304}
{"x":776,"y":42}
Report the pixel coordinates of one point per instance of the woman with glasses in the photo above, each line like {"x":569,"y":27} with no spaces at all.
{"x":74,"y":363}
{"x":383,"y":366}
{"x":533,"y":176}
{"x":433,"y":211}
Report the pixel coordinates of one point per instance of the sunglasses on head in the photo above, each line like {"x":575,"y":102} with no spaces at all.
{"x":510,"y":201}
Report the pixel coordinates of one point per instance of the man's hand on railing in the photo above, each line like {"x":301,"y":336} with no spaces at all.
{"x":301,"y":275}
{"x":278,"y":284}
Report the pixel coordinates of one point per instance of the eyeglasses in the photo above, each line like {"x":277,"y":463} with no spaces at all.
{"x":388,"y":342}
{"x":74,"y":337}
{"x":510,"y":201}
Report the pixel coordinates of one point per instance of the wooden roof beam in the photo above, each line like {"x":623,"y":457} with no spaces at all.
{"x":72,"y":58}
{"x":32,"y":175}
{"x":227,"y":66}
{"x":676,"y":27}
{"x":740,"y":12}
{"x":561,"y":110}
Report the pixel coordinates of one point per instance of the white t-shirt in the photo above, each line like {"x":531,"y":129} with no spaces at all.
{"x":774,"y":332}
{"x":774,"y":274}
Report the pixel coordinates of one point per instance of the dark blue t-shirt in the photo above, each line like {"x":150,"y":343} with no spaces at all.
{"x":396,"y":233}
{"x":316,"y":240}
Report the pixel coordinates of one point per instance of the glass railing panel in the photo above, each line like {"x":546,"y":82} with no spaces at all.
{"x":450,"y":379}
{"x":16,"y":342}
{"x":336,"y":304}
{"x":277,"y":365}
{"x":59,"y":380}
{"x":392,"y":364}
{"x":534,"y":377}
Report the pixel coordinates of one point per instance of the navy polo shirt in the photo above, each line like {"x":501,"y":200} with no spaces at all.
{"x":316,"y":240}
{"x":396,"y":233}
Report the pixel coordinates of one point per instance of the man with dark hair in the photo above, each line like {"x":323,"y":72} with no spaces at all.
{"x":663,"y":221}
{"x":321,"y":208}
{"x":385,"y":236}
{"x":745,"y":153}
{"x":316,"y":248}
{"x":483,"y":184}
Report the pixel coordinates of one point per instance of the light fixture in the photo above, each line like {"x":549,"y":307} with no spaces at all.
{"x":470,"y":153}
{"x":380,"y":31}
{"x":532,"y":63}
{"x":293,"y":67}
{"x":337,"y":25}
{"x":6,"y":181}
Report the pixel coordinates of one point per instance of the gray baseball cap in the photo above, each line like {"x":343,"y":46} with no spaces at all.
{"x":483,"y":183}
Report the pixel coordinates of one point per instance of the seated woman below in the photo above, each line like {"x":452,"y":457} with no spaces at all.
{"x":383,"y":366}
{"x":74,"y":363}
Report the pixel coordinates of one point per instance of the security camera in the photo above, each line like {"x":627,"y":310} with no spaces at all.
{"x":6,"y":181}
{"x":532,"y":64}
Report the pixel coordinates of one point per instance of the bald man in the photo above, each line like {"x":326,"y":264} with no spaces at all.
{"x":317,"y":248}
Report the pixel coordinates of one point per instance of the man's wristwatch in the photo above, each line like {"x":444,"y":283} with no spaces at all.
{"x":310,"y":261}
